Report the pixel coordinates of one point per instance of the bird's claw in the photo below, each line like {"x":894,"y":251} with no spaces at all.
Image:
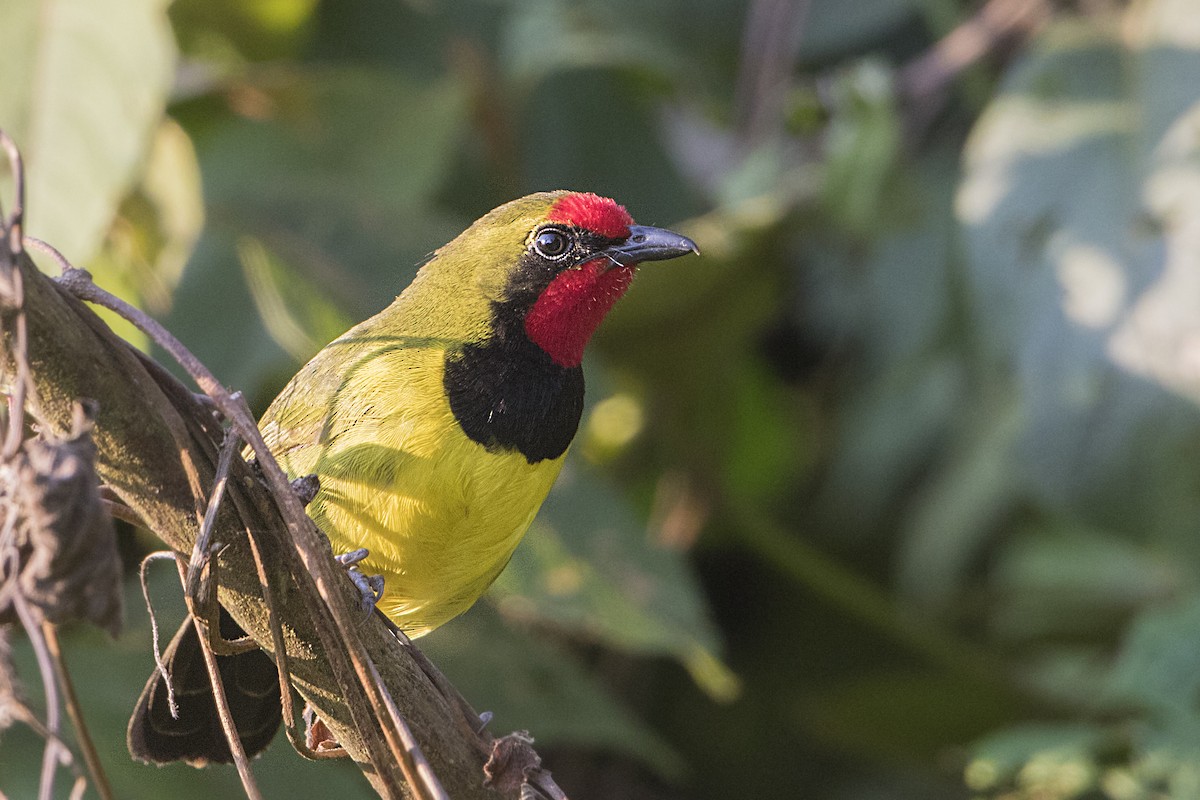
{"x":352,"y":558}
{"x":370,"y":587}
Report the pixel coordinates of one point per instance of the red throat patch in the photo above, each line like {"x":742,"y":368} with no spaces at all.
{"x":571,"y":308}
{"x":592,"y":212}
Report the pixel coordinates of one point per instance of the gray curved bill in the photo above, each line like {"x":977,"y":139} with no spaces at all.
{"x":651,"y":244}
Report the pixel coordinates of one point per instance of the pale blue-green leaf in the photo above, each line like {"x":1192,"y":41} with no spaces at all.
{"x":1158,"y":668}
{"x":1072,"y":583}
{"x":1145,"y":738}
{"x":1071,"y":761}
{"x":892,"y":300}
{"x":1078,"y":206}
{"x":1152,"y":743}
{"x":950,"y":518}
{"x":85,"y":86}
{"x":1149,"y":694}
{"x":831,"y":28}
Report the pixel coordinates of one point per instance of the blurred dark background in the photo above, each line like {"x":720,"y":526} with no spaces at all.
{"x":891,"y":495}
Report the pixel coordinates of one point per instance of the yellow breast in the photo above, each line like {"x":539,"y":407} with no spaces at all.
{"x":440,"y":514}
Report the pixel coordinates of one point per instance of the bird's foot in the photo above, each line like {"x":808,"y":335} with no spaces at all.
{"x":353,"y":558}
{"x":370,"y":587}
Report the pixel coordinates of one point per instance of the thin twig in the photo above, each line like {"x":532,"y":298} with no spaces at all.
{"x":415,"y":759}
{"x":12,"y":443}
{"x":75,"y":711}
{"x":201,"y":594}
{"x":16,"y":300}
{"x":468,"y":716}
{"x":546,"y":785}
{"x":202,"y":552}
{"x":118,"y":510}
{"x":223,"y":713}
{"x":293,"y":724}
{"x":770,"y":44}
{"x":996,"y":22}
{"x":51,"y":755}
{"x":16,"y":402}
{"x":206,"y":627}
{"x":80,"y":284}
{"x":10,"y":566}
{"x":159,"y":663}
{"x":291,"y":720}
{"x":16,"y":219}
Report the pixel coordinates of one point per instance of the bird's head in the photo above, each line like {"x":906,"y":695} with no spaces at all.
{"x":551,"y":265}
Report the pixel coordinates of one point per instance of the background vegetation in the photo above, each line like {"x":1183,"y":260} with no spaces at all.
{"x":894,"y":493}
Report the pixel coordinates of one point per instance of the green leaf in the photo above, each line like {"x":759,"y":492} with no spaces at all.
{"x":546,"y":36}
{"x":232,"y":30}
{"x":588,"y":566}
{"x":897,"y":712}
{"x":896,"y":460}
{"x":1149,"y":741}
{"x":335,"y":177}
{"x":862,"y":143}
{"x":530,"y":685}
{"x":155,"y":231}
{"x":294,"y":310}
{"x":85,"y":85}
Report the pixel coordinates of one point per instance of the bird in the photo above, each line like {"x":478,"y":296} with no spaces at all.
{"x":435,"y":430}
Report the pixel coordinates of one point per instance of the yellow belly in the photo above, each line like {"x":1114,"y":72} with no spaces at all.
{"x":439,"y":513}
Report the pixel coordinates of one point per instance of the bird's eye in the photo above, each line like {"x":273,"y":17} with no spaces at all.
{"x":552,"y":243}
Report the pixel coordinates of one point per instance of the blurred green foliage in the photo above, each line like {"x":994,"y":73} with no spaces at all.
{"x":894,"y":493}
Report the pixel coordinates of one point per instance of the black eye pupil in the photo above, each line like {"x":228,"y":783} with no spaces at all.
{"x":551,"y":243}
